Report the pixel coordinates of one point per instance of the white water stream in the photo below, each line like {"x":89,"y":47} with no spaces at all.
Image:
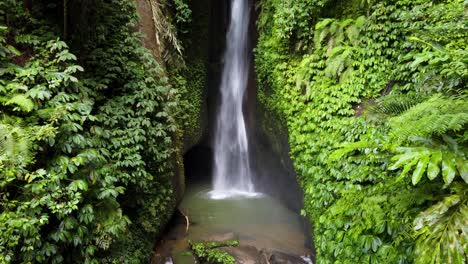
{"x":232,"y":172}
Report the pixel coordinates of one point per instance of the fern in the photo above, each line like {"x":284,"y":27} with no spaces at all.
{"x":338,"y":61}
{"x":349,"y":147}
{"x":165,"y":32}
{"x":395,"y":104}
{"x":15,"y":143}
{"x":21,"y":103}
{"x":434,"y":117}
{"x":336,"y":32}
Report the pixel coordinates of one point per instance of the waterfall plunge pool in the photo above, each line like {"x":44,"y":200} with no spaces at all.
{"x":257,"y":221}
{"x":232,"y":194}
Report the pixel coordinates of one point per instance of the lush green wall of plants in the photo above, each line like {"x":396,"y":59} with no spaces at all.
{"x":374,"y":97}
{"x":191,"y":75}
{"x":87,"y":143}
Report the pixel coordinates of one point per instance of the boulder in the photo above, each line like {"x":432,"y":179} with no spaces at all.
{"x":277,"y":257}
{"x":246,"y":255}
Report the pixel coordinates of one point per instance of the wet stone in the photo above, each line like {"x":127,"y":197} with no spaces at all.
{"x":277,"y":257}
{"x":246,"y":255}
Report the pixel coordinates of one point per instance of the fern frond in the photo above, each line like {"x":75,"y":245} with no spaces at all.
{"x":352,"y":33}
{"x":165,"y":31}
{"x":21,"y":103}
{"x":350,"y":147}
{"x":339,"y":60}
{"x":320,"y":36}
{"x":436,"y":116}
{"x":361,"y":22}
{"x":395,"y":104}
{"x":15,"y":142}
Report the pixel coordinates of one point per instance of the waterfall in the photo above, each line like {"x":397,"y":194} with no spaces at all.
{"x":232,"y":172}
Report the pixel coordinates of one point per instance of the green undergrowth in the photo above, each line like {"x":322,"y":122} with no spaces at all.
{"x":191,"y":75}
{"x":210,"y":251}
{"x":88,"y":128}
{"x":374,"y":97}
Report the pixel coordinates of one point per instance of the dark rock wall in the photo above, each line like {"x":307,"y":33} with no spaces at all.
{"x":147,"y":28}
{"x":267,"y":135}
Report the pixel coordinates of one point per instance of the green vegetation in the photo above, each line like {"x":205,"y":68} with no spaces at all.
{"x":191,"y":77}
{"x":93,"y":126}
{"x":87,"y":142}
{"x":374,"y":98}
{"x":210,"y":252}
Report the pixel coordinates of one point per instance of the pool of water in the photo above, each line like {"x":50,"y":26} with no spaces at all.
{"x":256,"y":220}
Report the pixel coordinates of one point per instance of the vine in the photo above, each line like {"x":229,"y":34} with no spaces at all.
{"x":105,"y":191}
{"x":330,"y":85}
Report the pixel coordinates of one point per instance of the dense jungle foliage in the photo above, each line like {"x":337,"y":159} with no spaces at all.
{"x":92,"y":124}
{"x":373,"y":94}
{"x":89,"y":132}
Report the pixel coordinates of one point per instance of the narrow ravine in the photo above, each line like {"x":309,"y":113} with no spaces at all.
{"x":229,"y":209}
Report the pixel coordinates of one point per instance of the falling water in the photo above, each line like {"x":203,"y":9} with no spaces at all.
{"x":232,"y":172}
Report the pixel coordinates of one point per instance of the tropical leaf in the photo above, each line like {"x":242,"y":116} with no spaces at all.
{"x":448,"y":167}
{"x":420,"y":168}
{"x":442,"y":232}
{"x":433,"y":168}
{"x":21,"y":102}
{"x":430,"y":161}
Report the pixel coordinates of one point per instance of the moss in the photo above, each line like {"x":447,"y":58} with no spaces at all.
{"x":191,"y":84}
{"x":191,"y":79}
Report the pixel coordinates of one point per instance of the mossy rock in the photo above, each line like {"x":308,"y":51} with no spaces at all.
{"x":211,"y":252}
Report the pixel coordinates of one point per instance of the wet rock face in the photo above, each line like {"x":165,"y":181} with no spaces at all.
{"x":146,"y":27}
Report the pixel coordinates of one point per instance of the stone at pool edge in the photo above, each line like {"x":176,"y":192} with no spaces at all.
{"x":244,"y":254}
{"x":278,"y":257}
{"x":251,"y":255}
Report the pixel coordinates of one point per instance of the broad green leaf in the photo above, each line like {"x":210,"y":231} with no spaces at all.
{"x":462,"y":168}
{"x":433,"y":168}
{"x":376,"y":243}
{"x":448,"y":167}
{"x":13,"y":50}
{"x":403,"y":159}
{"x":407,"y":168}
{"x":420,"y":168}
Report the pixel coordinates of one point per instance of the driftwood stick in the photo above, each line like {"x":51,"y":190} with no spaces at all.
{"x":187,"y":220}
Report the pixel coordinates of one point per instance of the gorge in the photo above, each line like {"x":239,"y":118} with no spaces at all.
{"x":230,"y":131}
